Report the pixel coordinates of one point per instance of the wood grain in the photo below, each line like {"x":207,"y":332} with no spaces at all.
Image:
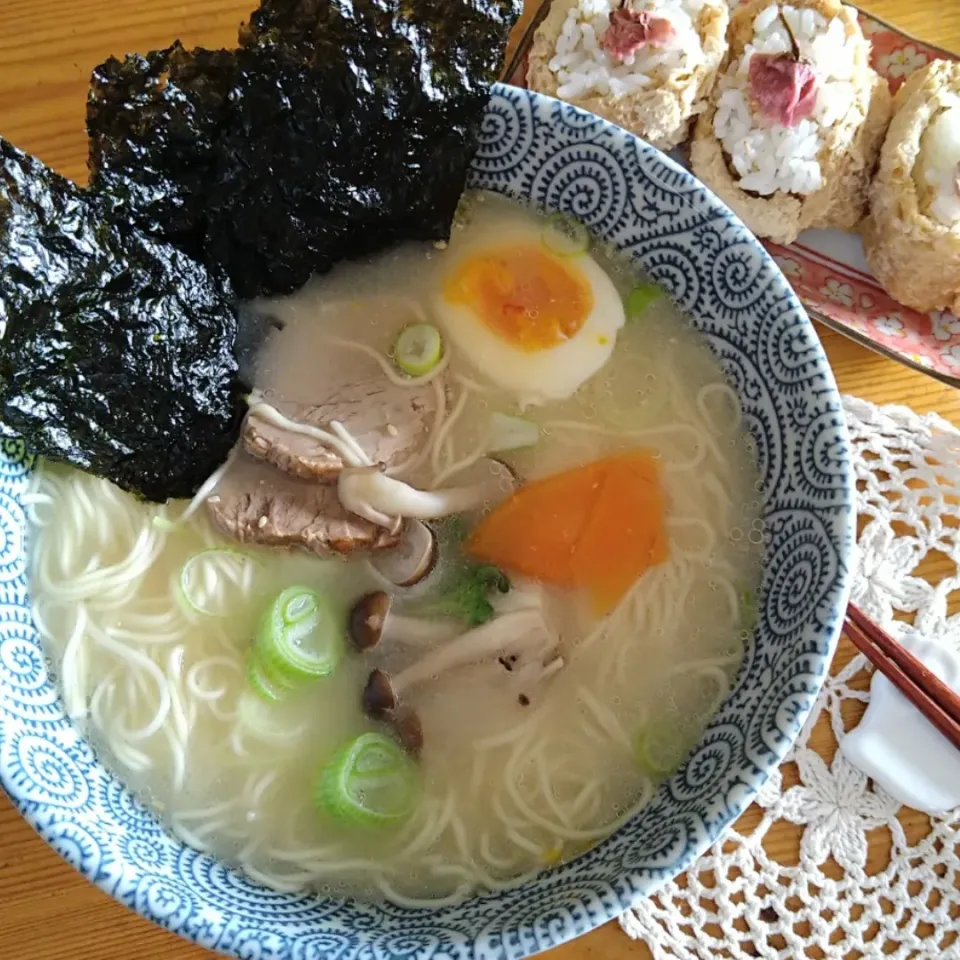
{"x":47,"y":49}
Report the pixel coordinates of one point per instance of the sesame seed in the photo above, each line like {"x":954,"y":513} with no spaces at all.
{"x":262,"y":522}
{"x":392,"y":430}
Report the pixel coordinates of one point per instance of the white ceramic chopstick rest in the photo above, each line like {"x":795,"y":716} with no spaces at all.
{"x":898,"y":747}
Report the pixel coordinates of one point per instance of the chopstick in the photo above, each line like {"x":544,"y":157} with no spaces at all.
{"x":930,"y":695}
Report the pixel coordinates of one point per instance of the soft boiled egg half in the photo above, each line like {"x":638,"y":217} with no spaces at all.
{"x":534,"y":321}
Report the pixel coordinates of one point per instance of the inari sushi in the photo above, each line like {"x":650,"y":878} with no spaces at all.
{"x":791,"y":136}
{"x":646,"y":65}
{"x":912,"y":234}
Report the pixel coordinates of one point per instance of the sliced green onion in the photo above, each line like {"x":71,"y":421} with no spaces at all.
{"x":276,"y":675}
{"x":565,"y":236}
{"x":300,"y":636}
{"x":212,"y":582}
{"x":511,"y":433}
{"x":263,"y":683}
{"x":266,"y":719}
{"x":418,"y":349}
{"x":370,"y":782}
{"x":662,"y":745}
{"x":639,"y":298}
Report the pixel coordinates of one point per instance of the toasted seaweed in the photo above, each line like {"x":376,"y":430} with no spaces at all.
{"x":443,"y":47}
{"x":116,"y":350}
{"x":335,"y":178}
{"x":348,"y":126}
{"x":154,"y":123}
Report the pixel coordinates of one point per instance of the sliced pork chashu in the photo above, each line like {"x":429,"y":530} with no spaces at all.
{"x":391,"y":423}
{"x":255,"y":503}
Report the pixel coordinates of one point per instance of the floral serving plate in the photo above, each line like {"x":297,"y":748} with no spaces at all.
{"x":827,"y":268}
{"x":561,"y":158}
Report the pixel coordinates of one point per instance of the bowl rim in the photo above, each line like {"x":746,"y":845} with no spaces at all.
{"x":634,"y":883}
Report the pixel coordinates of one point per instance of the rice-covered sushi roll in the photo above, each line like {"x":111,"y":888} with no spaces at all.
{"x":791,"y":136}
{"x":646,"y":65}
{"x":912,"y":233}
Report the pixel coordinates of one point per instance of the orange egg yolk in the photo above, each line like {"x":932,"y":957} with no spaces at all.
{"x":524,"y":294}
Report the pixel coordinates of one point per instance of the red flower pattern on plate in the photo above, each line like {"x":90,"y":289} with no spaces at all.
{"x":838,"y":291}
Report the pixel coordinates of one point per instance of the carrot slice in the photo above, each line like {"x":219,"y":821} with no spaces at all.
{"x":537,"y":529}
{"x":622,"y":536}
{"x":598,"y":527}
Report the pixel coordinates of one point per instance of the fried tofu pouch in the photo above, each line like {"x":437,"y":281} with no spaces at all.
{"x":660,"y":114}
{"x":914,"y":255}
{"x":847,"y":156}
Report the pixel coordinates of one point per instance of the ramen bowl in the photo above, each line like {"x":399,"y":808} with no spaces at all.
{"x":560,"y":158}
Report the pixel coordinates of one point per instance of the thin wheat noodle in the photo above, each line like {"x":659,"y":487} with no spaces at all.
{"x":398,"y":380}
{"x":707,"y":416}
{"x":546,"y":789}
{"x":248,"y":849}
{"x":414,"y":903}
{"x":73,"y":669}
{"x":468,"y":460}
{"x":564,"y":833}
{"x":189,"y":837}
{"x":421,"y":457}
{"x":103,"y":690}
{"x":135,"y":759}
{"x":501,"y":863}
{"x":589,"y":794}
{"x":134,"y":658}
{"x":477,"y":769}
{"x":519,"y":840}
{"x":263,"y":783}
{"x":447,"y":426}
{"x":194,"y":685}
{"x":280,"y":884}
{"x":670,"y":431}
{"x":178,"y":714}
{"x":710,"y":537}
{"x":122,"y":635}
{"x":178,"y":758}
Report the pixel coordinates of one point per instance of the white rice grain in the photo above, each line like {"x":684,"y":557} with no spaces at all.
{"x":582,"y":67}
{"x":768,"y":156}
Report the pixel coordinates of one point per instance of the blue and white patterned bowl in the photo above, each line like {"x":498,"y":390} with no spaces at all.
{"x":562,"y":158}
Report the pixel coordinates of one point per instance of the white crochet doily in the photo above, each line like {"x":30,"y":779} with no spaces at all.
{"x":806,"y":891}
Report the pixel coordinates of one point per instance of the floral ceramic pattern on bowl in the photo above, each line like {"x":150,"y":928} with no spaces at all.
{"x":827,"y":267}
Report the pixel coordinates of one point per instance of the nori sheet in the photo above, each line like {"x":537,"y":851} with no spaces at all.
{"x":443,"y":48}
{"x":116,"y":350}
{"x":349,"y":126}
{"x":154,"y":123}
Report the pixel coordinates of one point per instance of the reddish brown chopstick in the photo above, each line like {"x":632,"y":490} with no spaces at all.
{"x":930,"y":695}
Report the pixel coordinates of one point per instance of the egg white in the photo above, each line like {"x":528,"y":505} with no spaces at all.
{"x":535,"y":377}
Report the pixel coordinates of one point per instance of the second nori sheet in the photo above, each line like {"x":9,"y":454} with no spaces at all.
{"x":154,"y":124}
{"x":348,"y":127}
{"x":116,"y":350}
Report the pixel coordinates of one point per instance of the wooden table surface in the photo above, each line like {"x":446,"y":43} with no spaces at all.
{"x":47,"y":49}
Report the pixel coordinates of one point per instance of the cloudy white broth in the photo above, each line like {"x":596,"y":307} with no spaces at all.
{"x":573,"y":613}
